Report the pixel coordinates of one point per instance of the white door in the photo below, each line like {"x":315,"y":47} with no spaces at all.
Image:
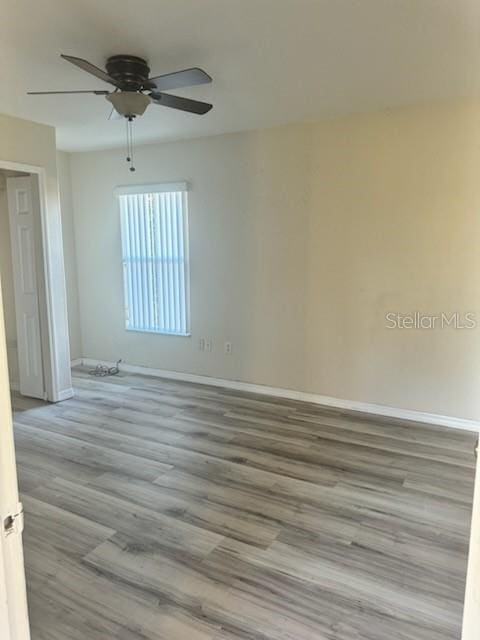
{"x":24,"y":212}
{"x":13,"y":600}
{"x":471,"y":617}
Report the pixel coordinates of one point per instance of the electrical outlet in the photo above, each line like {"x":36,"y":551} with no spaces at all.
{"x":208,"y":344}
{"x":201,"y":344}
{"x":228,"y":347}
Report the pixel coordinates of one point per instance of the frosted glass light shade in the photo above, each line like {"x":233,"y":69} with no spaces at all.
{"x":129,"y":103}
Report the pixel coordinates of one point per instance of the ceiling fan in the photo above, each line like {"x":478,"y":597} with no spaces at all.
{"x":135,"y":90}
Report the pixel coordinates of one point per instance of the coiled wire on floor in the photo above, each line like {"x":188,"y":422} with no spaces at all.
{"x":102,"y":370}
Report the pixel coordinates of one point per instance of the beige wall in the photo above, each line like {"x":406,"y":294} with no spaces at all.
{"x":69,"y":252}
{"x":302,"y":238}
{"x":395,"y":226}
{"x":245,"y":287}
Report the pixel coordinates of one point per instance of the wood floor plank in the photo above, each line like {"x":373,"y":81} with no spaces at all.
{"x":346,"y":579}
{"x":148,"y":526}
{"x":64,"y":448}
{"x":450,"y":452}
{"x":331,"y":613}
{"x":187,"y":586}
{"x":106,"y":608}
{"x":231,"y":521}
{"x":164,"y":510}
{"x":73,"y":534}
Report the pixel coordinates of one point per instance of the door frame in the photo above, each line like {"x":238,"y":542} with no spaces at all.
{"x":14,"y":621}
{"x":56,"y":363}
{"x":471,"y":611}
{"x":51,"y":340}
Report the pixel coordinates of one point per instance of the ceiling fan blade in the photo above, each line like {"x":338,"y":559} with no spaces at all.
{"x":90,"y":68}
{"x":184,"y":104}
{"x":47,"y":93}
{"x":179,"y":79}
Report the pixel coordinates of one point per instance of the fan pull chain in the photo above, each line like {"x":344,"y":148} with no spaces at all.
{"x":126,"y":135}
{"x":129,"y":123}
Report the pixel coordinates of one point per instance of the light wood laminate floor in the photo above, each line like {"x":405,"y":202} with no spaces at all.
{"x":165,"y":510}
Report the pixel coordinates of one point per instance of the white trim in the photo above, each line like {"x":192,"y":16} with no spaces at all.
{"x":13,"y":596}
{"x":77,"y":362}
{"x":162,"y":187}
{"x":12,"y":346}
{"x":471,"y":611}
{"x":46,"y":300}
{"x":290,"y":394}
{"x":50,"y":338}
{"x":65,"y":394}
{"x":20,"y":166}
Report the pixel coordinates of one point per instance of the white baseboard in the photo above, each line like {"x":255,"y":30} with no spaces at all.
{"x":77,"y":362}
{"x":290,"y":394}
{"x":66,"y":394}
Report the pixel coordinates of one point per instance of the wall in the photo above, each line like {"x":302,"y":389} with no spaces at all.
{"x":247,"y":253}
{"x":34,"y":144}
{"x":302,"y":238}
{"x":69,"y":252}
{"x":6,"y":276}
{"x":395,"y":227}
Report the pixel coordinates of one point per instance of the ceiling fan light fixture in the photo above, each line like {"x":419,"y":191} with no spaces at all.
{"x":129,"y":103}
{"x":130,"y":77}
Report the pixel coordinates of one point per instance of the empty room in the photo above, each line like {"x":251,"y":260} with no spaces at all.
{"x":240,"y":320}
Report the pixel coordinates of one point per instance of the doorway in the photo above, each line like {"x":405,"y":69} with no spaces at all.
{"x":33,"y":283}
{"x":37,"y":319}
{"x":21,"y":274}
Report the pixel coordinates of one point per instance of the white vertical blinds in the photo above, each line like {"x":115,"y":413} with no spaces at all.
{"x":155,"y":261}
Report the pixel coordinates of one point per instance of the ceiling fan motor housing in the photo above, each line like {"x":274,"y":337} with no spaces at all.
{"x":130,"y":72}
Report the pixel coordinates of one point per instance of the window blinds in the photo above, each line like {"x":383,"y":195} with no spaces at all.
{"x":155,"y":260}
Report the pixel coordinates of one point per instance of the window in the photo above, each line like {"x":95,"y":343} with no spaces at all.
{"x":155,"y":257}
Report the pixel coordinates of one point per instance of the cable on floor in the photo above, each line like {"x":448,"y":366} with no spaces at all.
{"x":101,"y":370}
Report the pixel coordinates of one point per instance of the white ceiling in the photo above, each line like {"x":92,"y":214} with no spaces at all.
{"x":272,"y":61}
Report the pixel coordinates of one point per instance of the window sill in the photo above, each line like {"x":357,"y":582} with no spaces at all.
{"x":160,"y":333}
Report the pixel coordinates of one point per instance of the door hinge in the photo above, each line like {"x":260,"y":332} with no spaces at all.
{"x":13,"y":523}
